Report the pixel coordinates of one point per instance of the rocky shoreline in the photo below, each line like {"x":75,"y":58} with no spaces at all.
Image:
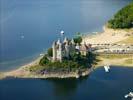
{"x":59,"y":75}
{"x":62,"y":75}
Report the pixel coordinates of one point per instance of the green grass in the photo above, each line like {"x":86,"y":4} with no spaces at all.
{"x":1,"y":75}
{"x":128,"y":61}
{"x":129,"y":40}
{"x":125,"y":60}
{"x":115,"y":56}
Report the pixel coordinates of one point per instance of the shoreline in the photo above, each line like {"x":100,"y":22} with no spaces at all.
{"x":115,"y":36}
{"x":23,"y":72}
{"x":108,"y":36}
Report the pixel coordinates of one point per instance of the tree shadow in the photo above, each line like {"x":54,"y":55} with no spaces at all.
{"x":65,"y":87}
{"x":92,"y":59}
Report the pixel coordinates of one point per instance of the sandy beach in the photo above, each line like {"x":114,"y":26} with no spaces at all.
{"x":22,"y":71}
{"x":109,"y":36}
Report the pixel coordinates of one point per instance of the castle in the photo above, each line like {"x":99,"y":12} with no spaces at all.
{"x":63,"y":49}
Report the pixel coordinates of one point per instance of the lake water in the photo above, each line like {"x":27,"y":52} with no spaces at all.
{"x":98,"y":86}
{"x":28,"y":27}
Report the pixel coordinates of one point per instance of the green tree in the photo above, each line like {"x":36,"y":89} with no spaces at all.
{"x":123,"y":18}
{"x":50,"y":52}
{"x":78,"y":39}
{"x":44,"y":61}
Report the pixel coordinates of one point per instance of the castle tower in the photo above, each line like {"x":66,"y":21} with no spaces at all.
{"x":84,"y":49}
{"x":67,"y":48}
{"x":72,"y":45}
{"x":54,"y":51}
{"x":58,"y":42}
{"x":60,"y":52}
{"x":72,"y":41}
{"x":65,"y":40}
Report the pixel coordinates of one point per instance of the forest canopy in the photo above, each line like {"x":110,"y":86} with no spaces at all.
{"x":123,"y":18}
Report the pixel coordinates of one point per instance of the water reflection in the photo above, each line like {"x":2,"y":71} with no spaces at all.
{"x":98,"y":86}
{"x":66,"y":87}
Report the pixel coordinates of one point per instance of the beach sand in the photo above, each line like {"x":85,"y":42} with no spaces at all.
{"x":109,"y":36}
{"x":22,"y":71}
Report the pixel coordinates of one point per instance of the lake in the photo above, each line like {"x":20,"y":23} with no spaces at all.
{"x":28,"y":27}
{"x":97,"y":86}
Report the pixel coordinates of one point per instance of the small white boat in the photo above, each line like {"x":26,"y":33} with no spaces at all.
{"x":41,"y":54}
{"x":106,"y":68}
{"x":129,"y":95}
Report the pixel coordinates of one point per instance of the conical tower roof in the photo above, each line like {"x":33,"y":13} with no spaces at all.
{"x":59,"y":41}
{"x":72,"y":41}
{"x":65,"y":40}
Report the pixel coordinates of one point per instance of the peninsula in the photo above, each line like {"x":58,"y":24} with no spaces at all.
{"x":66,"y":58}
{"x":79,"y":56}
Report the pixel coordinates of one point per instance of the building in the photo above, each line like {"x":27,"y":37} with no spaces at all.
{"x":114,"y":48}
{"x":63,"y":49}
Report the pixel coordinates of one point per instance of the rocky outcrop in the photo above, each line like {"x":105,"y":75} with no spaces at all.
{"x":61,"y":75}
{"x":76,"y":74}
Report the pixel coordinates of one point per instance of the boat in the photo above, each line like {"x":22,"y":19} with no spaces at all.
{"x":130,"y":94}
{"x":107,"y":68}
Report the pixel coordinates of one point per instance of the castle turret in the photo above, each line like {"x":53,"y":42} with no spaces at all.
{"x":84,"y":49}
{"x":58,"y":42}
{"x":59,"y":56}
{"x":72,"y":41}
{"x":65,"y":40}
{"x":67,"y":48}
{"x":54,"y":51}
{"x":72,"y":45}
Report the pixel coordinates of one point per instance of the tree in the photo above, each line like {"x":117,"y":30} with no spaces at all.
{"x":50,"y":52}
{"x":78,"y":39}
{"x":123,"y":18}
{"x":44,"y":61}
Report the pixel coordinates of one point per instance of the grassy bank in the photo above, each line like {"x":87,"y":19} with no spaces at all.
{"x":115,"y":59}
{"x":129,"y":40}
{"x":1,"y":76}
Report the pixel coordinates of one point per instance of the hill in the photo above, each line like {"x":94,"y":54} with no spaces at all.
{"x":123,"y":18}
